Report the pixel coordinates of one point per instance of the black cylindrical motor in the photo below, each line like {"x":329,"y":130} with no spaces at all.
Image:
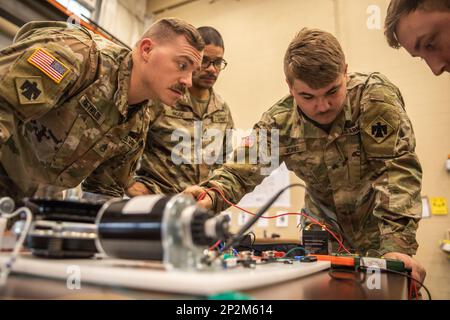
{"x":132,"y":234}
{"x":153,"y":227}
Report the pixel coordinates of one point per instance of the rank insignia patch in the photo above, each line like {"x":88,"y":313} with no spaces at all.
{"x":30,"y":90}
{"x":102,"y":149}
{"x":48,"y":64}
{"x":379,"y":129}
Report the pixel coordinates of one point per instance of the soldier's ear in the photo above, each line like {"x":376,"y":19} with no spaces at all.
{"x":145,"y":48}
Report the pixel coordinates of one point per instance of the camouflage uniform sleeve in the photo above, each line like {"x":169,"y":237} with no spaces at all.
{"x":141,"y":177}
{"x":33,"y":80}
{"x":388,"y":140}
{"x":239,"y":177}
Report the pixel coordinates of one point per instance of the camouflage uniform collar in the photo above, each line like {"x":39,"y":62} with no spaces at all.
{"x":343,"y":120}
{"x":303,"y":127}
{"x":216,"y":102}
{"x":124,"y":77}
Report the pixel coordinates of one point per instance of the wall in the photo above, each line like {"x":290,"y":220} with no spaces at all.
{"x":126,"y":20}
{"x":256,"y":34}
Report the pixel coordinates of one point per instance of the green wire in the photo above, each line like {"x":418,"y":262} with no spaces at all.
{"x":294,"y":249}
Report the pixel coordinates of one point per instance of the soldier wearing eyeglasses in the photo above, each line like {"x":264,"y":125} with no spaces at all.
{"x":163,"y":168}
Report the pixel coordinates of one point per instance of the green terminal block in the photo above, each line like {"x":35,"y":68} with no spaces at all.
{"x":394,"y":265}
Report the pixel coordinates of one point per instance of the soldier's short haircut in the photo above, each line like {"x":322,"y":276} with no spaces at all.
{"x":314,"y":57}
{"x":399,"y":8}
{"x":211,"y":36}
{"x":168,"y":28}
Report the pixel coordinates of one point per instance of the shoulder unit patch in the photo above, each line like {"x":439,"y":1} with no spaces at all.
{"x":379,"y":129}
{"x":30,"y":90}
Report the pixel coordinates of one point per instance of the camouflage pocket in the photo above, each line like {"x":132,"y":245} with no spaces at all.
{"x":70,"y":144}
{"x":84,"y":165}
{"x":308,"y":167}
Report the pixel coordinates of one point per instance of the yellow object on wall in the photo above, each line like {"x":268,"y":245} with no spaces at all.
{"x":438,"y":205}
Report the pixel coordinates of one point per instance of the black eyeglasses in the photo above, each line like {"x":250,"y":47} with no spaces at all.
{"x":219,"y":64}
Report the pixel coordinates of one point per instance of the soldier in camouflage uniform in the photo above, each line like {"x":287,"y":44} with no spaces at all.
{"x":350,"y":140}
{"x":74,"y":106}
{"x":201,"y":105}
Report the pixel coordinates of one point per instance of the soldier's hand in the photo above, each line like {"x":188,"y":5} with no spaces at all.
{"x":418,"y":271}
{"x":137,"y":189}
{"x":196,"y":192}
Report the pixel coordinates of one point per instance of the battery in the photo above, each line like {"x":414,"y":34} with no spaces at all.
{"x":316,"y":242}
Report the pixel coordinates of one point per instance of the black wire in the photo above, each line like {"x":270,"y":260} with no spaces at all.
{"x":254,"y":238}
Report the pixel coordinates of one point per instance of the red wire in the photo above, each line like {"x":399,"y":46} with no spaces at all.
{"x":341,"y":245}
{"x":201,"y":196}
{"x":416,"y":292}
{"x":215,"y":245}
{"x":413,"y":289}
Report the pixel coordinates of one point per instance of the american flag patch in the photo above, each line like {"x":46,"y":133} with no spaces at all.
{"x":48,"y":64}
